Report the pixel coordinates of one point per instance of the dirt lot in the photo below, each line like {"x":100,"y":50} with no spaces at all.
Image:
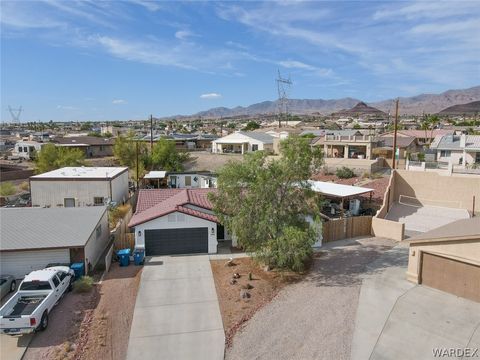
{"x":94,"y":325}
{"x":314,"y":318}
{"x":206,"y":161}
{"x":265,"y":285}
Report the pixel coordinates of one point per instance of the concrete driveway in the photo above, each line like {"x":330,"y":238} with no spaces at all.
{"x":177,"y":315}
{"x":397,"y":319}
{"x":13,"y":347}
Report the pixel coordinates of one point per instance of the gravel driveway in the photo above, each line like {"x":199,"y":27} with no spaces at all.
{"x":313,"y":319}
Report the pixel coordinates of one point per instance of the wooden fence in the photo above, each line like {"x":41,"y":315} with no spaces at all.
{"x":346,"y":228}
{"x":122,"y":238}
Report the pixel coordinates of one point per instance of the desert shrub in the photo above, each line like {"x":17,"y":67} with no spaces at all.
{"x":117,"y":213}
{"x":289,"y":251}
{"x":83,"y":285}
{"x":7,"y":189}
{"x":345,"y":173}
{"x":366,"y":175}
{"x":25,"y":186}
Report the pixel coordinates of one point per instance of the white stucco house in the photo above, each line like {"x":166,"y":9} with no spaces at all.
{"x":176,"y":221}
{"x":80,"y":186}
{"x":180,"y":180}
{"x":32,"y":238}
{"x":26,"y":149}
{"x":241,"y":142}
{"x":457,"y":149}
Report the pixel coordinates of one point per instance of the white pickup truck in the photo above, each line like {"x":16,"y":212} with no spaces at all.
{"x":27,"y":310}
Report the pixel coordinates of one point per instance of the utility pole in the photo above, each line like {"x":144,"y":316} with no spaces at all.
{"x":395,"y":135}
{"x":136,"y":150}
{"x":151,"y":134}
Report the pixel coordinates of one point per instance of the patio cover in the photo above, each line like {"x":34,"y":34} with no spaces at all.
{"x":337,"y":190}
{"x":155,"y":175}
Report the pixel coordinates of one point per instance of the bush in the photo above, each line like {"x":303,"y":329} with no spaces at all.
{"x":83,"y":285}
{"x":289,"y":251}
{"x":25,"y":186}
{"x":118,"y":213}
{"x":7,"y":189}
{"x":345,"y":173}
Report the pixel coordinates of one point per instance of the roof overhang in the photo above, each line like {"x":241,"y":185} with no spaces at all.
{"x":337,"y":190}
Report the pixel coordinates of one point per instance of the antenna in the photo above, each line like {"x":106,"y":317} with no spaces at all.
{"x":15,"y":113}
{"x":283,"y":88}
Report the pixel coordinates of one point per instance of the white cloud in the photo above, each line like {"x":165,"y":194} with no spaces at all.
{"x":184,"y":34}
{"x":66,"y":107}
{"x":210,"y":96}
{"x":149,"y":5}
{"x":119,"y":101}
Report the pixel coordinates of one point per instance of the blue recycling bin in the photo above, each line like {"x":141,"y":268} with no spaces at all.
{"x":78,"y":269}
{"x":124,"y":257}
{"x":138,"y":256}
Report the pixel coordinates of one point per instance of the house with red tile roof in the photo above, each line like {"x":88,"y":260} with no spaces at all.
{"x":176,"y":221}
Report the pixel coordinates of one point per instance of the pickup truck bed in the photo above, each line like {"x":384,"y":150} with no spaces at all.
{"x":26,"y":305}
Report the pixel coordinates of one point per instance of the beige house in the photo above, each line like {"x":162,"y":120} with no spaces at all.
{"x":448,"y":258}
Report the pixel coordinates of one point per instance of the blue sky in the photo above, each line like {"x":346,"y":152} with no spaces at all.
{"x":92,"y":60}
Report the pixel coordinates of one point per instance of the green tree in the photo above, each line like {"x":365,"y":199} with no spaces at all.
{"x":52,"y":157}
{"x":251,"y":125}
{"x":165,"y":156}
{"x":265,"y":202}
{"x":125,"y":150}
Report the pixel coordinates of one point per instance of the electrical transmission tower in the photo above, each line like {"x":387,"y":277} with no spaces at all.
{"x":283,"y":87}
{"x":15,"y":113}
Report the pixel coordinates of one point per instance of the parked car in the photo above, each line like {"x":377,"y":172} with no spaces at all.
{"x":7,"y":285}
{"x":28,"y":309}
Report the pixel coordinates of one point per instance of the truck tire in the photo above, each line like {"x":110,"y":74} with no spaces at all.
{"x":13,"y":286}
{"x":70,"y":284}
{"x":44,"y":322}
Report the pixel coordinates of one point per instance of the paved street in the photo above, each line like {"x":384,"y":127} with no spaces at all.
{"x":177,"y":315}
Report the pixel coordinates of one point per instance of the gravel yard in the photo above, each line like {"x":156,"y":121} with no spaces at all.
{"x":314,"y":318}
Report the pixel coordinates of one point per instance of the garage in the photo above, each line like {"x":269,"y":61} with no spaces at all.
{"x":448,"y":258}
{"x":19,"y":263}
{"x":452,"y":276}
{"x":176,"y":241}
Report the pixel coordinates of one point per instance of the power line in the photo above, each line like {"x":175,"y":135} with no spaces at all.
{"x":15,"y":113}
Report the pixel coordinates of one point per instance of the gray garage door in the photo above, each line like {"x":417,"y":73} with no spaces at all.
{"x":176,"y":241}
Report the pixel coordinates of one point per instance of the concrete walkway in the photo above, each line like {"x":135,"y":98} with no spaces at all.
{"x":177,"y":315}
{"x":397,"y":319}
{"x":13,"y":347}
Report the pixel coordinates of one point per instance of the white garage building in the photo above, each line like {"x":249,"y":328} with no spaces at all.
{"x":32,"y":238}
{"x":79,"y":186}
{"x":176,"y":221}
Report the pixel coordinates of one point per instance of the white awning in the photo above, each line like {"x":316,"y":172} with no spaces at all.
{"x":337,"y":190}
{"x":155,"y":175}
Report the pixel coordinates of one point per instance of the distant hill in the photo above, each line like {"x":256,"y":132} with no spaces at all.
{"x":416,"y":105}
{"x":361,"y":109}
{"x":470,"y":108}
{"x":430,"y":103}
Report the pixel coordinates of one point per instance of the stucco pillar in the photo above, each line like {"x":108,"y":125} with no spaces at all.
{"x":243,"y":148}
{"x":345,"y":151}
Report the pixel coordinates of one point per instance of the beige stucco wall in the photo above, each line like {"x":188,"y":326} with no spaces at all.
{"x":463,"y":250}
{"x":388,"y":229}
{"x":435,"y":189}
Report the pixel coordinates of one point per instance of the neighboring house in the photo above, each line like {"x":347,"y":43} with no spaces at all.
{"x":80,"y":186}
{"x":180,"y":180}
{"x":26,"y":149}
{"x":356,"y":146}
{"x":92,"y":146}
{"x":448,"y":258}
{"x":457,"y":149}
{"x":241,"y":142}
{"x":33,"y":238}
{"x":405,"y":145}
{"x":40,"y":136}
{"x":423,"y":137}
{"x":176,"y":221}
{"x":192,"y":141}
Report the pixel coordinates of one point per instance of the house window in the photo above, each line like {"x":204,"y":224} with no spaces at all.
{"x":477,"y":158}
{"x":98,"y":231}
{"x":98,"y":201}
{"x":445,"y":153}
{"x":20,"y":149}
{"x":69,"y":202}
{"x":188,"y":181}
{"x":254,"y":147}
{"x":25,"y":149}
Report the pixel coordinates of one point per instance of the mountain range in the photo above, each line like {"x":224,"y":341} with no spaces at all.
{"x":415,"y":105}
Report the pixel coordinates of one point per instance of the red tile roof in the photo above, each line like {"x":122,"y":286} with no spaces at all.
{"x":154,"y":203}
